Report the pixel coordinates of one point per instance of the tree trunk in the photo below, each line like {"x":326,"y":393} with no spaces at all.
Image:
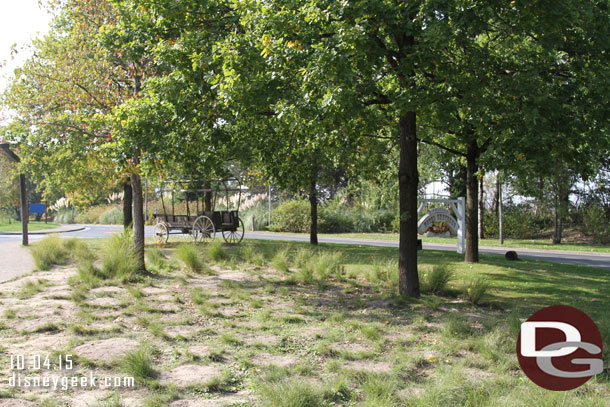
{"x":472,"y":185}
{"x":561,"y":191}
{"x":408,"y":183}
{"x":138,"y":219}
{"x":481,"y":208}
{"x":313,"y":203}
{"x":127,"y":204}
{"x":558,"y":227}
{"x":562,"y":202}
{"x":138,"y":199}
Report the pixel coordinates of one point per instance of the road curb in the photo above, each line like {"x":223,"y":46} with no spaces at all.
{"x":46,"y":231}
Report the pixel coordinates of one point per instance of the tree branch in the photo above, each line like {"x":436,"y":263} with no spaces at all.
{"x":378,"y":137}
{"x":380,"y":100}
{"x":485,"y":145}
{"x":451,"y":150}
{"x":99,"y":102}
{"x":391,"y":56}
{"x":72,"y":127}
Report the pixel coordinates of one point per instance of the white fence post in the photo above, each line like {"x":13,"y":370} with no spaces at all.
{"x":461,"y":235}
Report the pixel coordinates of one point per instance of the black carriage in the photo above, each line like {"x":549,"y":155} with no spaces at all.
{"x":205,"y":221}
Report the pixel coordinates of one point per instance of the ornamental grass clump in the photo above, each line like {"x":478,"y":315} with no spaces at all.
{"x":49,"y":252}
{"x":476,"y":289}
{"x":290,"y":393}
{"x":319,"y":267}
{"x":190,"y":256}
{"x":88,"y":274}
{"x":302,"y":256}
{"x":436,"y":280}
{"x":328,"y":264}
{"x":119,"y":258}
{"x":139,"y":364}
{"x":280,"y":261}
{"x":216,"y":252}
{"x":383,"y":273}
{"x":157,"y":261}
{"x":79,"y":251}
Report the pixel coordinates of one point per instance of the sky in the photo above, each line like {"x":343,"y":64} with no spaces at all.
{"x":20,"y":22}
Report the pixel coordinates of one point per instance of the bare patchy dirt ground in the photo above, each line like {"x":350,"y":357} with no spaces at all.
{"x":210,"y":335}
{"x":248,"y":335}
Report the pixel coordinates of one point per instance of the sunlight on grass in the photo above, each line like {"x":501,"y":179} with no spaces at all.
{"x":15,"y":226}
{"x":119,"y":258}
{"x":139,"y":364}
{"x":48,"y":252}
{"x":297,"y":326}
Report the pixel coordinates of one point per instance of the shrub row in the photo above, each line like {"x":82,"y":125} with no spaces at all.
{"x":357,"y":220}
{"x":102,"y":214}
{"x":517,"y":223}
{"x":597,"y":224}
{"x":294,"y":216}
{"x":291,"y":216}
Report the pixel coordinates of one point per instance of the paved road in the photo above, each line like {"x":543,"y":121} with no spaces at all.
{"x":587,"y":259}
{"x":566,"y":257}
{"x":15,"y":260}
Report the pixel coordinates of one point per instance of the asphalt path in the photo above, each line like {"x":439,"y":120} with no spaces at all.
{"x":566,"y":257}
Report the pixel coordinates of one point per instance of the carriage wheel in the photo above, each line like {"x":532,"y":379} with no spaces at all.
{"x":203,"y":230}
{"x":161,"y":233}
{"x":234,"y":236}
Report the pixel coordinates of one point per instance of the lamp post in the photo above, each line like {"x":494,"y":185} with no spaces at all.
{"x":269,"y":209}
{"x":500,"y":228}
{"x":22,"y":193}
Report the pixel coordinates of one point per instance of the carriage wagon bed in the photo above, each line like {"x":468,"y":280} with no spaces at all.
{"x":202,"y":225}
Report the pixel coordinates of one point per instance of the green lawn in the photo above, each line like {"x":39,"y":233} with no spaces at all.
{"x":510,"y":243}
{"x":522,"y":286}
{"x":16,"y":226}
{"x":516,"y":288}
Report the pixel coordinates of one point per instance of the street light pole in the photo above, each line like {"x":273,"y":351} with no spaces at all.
{"x":500,"y":228}
{"x":146,"y":200}
{"x":269,"y":209}
{"x":24,"y":210}
{"x":22,"y":194}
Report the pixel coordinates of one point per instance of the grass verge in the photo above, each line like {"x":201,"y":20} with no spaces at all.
{"x":15,"y":226}
{"x":539,"y":244}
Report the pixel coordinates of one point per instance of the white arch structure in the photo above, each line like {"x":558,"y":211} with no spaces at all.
{"x":459,"y":224}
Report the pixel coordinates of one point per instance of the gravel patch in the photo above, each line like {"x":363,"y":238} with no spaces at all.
{"x":104,"y":302}
{"x":266,"y":359}
{"x":106,"y":349}
{"x":16,"y":403}
{"x":368,"y":366}
{"x":185,"y":331}
{"x":187,"y":375}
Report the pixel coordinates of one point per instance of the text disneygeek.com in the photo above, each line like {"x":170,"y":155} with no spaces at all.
{"x":24,"y":375}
